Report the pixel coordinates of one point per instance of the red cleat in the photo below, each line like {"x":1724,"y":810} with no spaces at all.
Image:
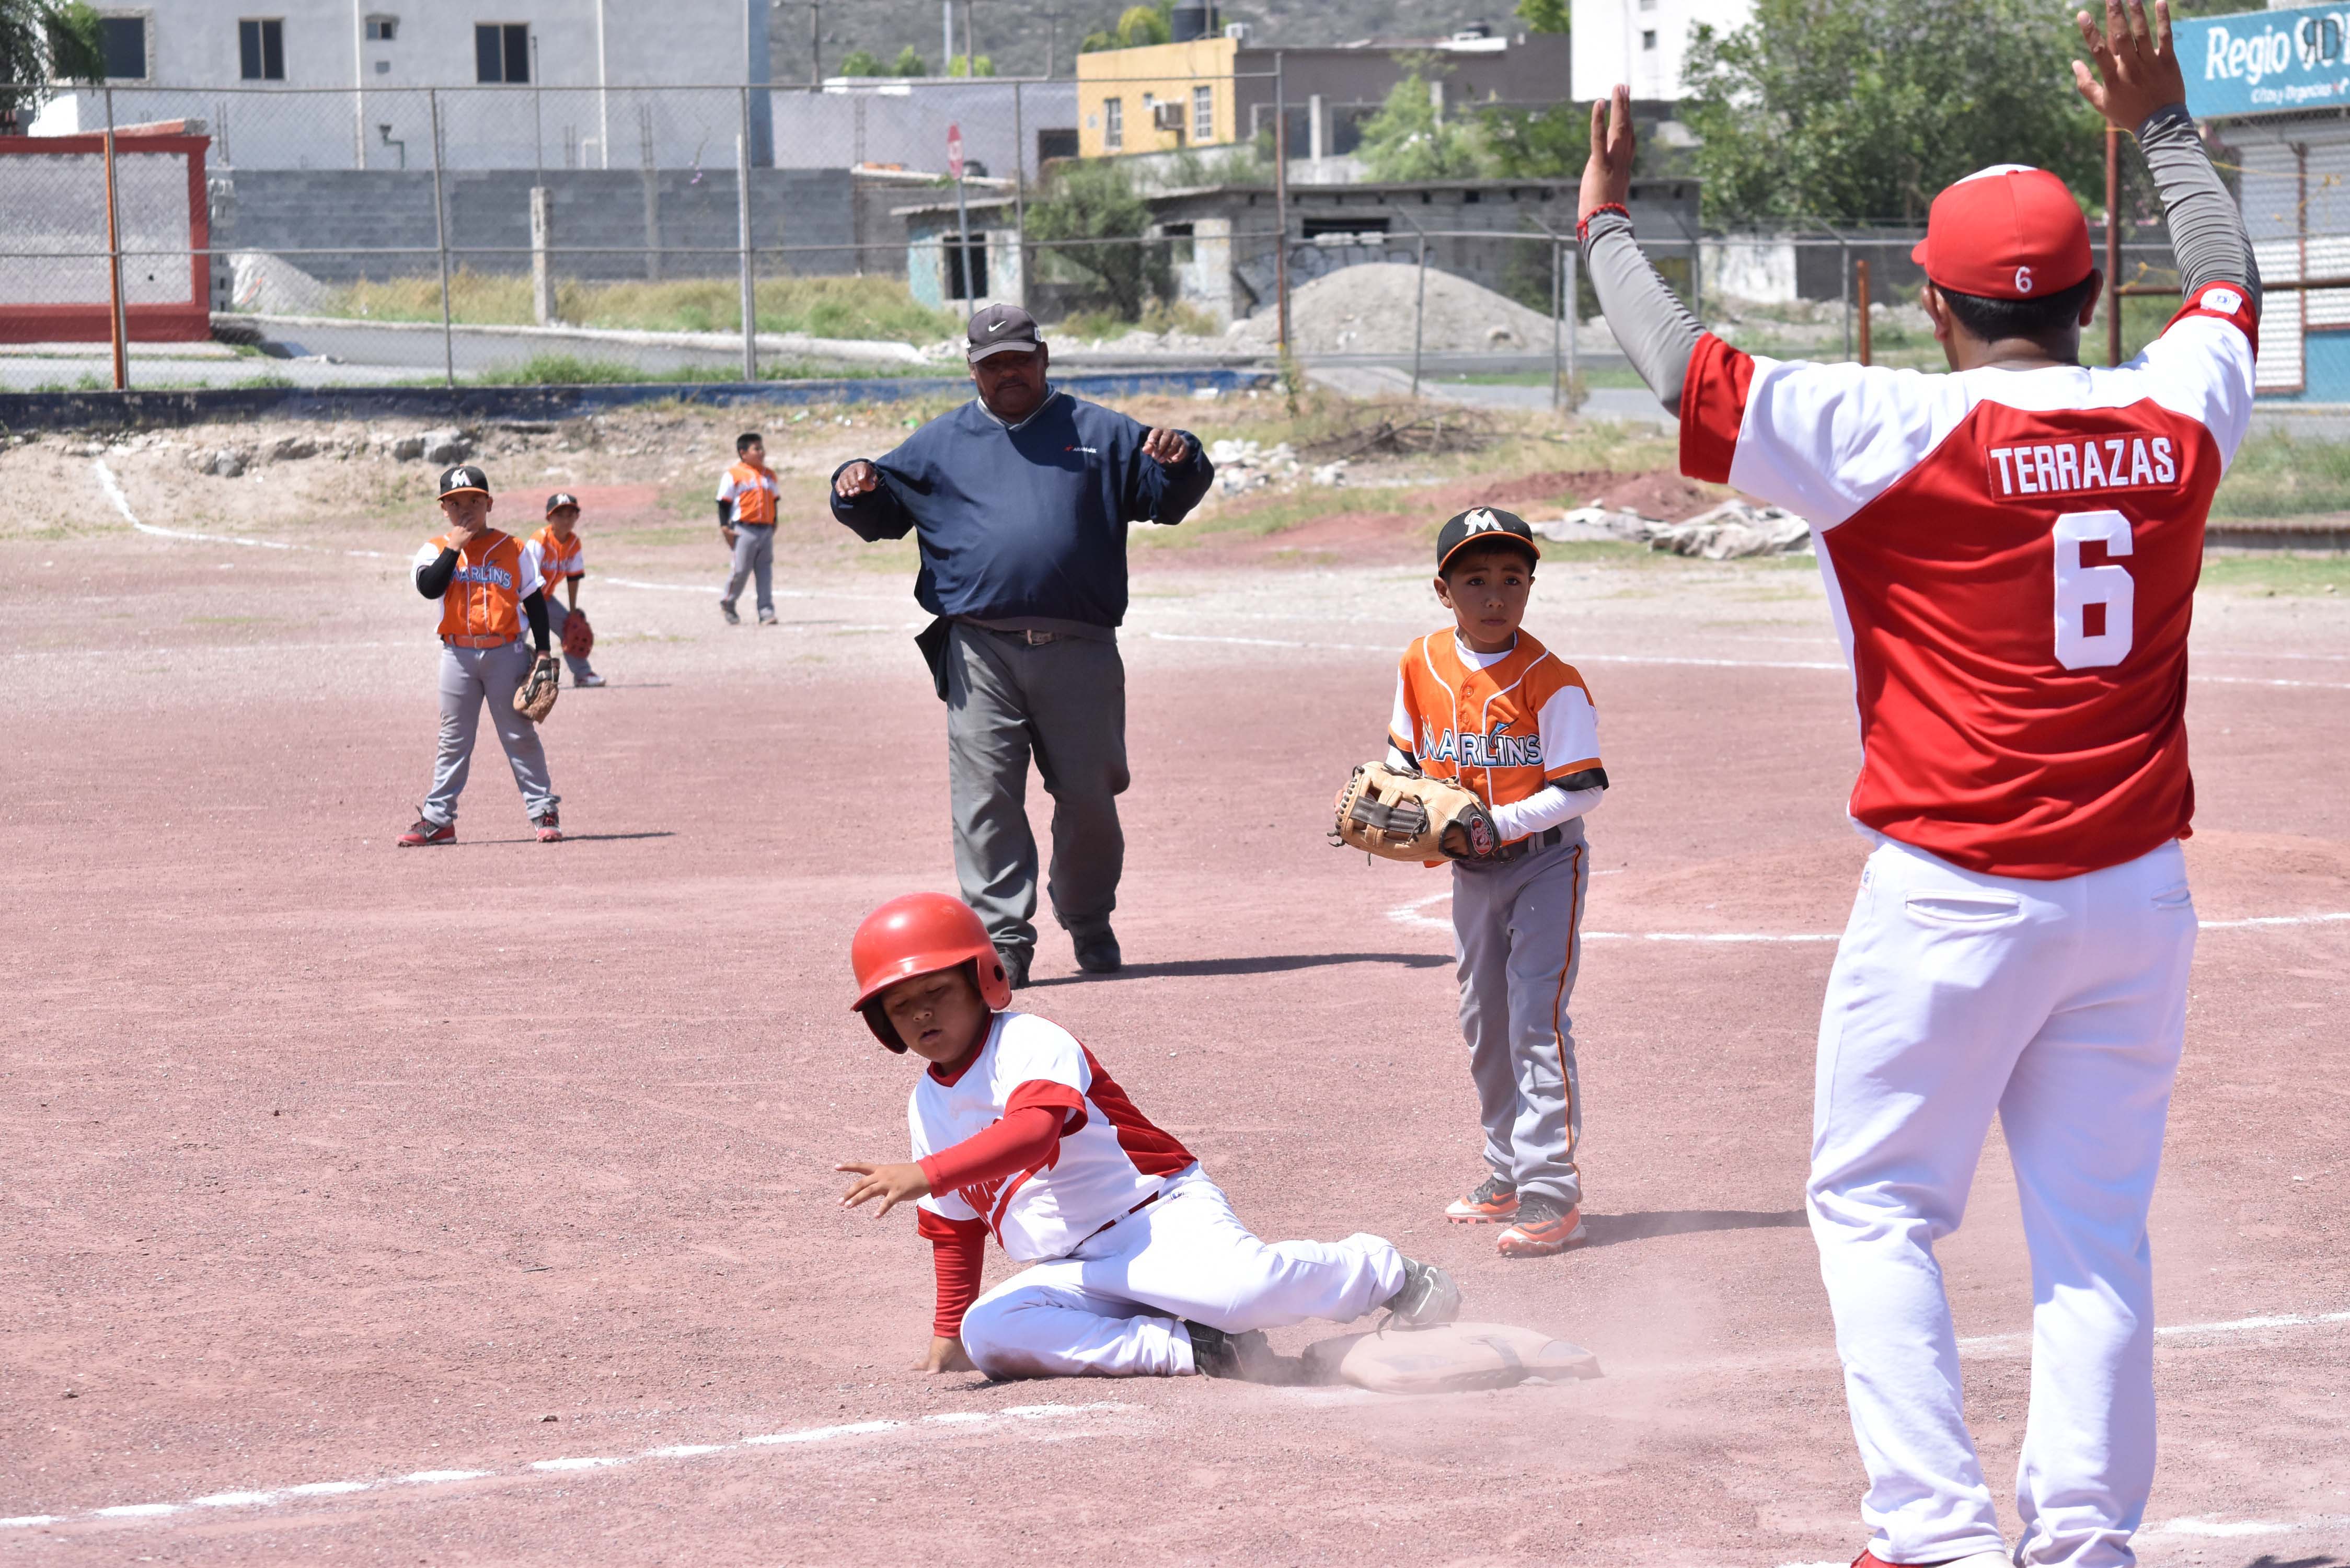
{"x":550,"y":826}
{"x":1543,"y":1226}
{"x":428,"y":831}
{"x":1495,"y":1203}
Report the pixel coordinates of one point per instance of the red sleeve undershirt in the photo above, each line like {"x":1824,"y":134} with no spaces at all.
{"x":1026,"y":1138}
{"x":1713,"y":407}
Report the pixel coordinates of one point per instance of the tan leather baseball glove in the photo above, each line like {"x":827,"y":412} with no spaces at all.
{"x":1409,"y":816}
{"x":534,"y":697}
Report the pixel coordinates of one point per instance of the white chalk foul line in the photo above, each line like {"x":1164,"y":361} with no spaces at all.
{"x":950,"y":1419}
{"x":1411,"y":915}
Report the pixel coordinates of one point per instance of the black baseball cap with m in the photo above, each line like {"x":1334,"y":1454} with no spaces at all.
{"x":465,"y":476}
{"x":1001,"y":329}
{"x":1484,"y":525}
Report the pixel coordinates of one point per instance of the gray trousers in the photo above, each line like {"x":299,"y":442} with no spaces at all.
{"x":556,"y":616}
{"x":1064,"y":701}
{"x":1518,"y":935}
{"x":755,"y":557}
{"x":469,"y":678}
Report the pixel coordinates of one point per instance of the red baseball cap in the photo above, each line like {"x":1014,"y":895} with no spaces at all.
{"x":2009,"y":232}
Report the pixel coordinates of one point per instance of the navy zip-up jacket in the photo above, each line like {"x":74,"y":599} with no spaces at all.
{"x":1027,"y":520}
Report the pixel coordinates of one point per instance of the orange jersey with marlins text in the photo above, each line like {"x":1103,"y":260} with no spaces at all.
{"x":1504,"y":725}
{"x":751,"y":489}
{"x":563,"y":559}
{"x":494,"y":574}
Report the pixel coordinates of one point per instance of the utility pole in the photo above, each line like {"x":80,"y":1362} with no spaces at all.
{"x":816,"y":43}
{"x":970,"y":54}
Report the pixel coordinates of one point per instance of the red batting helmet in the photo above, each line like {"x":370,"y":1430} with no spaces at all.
{"x":921,"y":933}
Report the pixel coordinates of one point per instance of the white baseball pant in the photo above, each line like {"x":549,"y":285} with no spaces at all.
{"x":2060,"y":1006}
{"x":1112,"y":1308}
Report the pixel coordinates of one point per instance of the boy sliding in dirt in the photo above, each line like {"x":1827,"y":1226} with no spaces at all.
{"x":1138,"y":1265}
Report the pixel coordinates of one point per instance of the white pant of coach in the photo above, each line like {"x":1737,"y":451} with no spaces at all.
{"x":1109,"y":1309}
{"x":2060,"y":1006}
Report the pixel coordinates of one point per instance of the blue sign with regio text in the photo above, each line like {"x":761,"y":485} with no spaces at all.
{"x":2266,"y":62}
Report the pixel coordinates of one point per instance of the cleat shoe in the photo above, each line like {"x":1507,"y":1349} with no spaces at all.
{"x":1247,"y":1357}
{"x":549,"y":825}
{"x":1543,"y":1226}
{"x":726,"y":608}
{"x":1495,"y":1203}
{"x":590,"y":679}
{"x":1868,"y":1559}
{"x":1015,"y":966}
{"x":428,"y":831}
{"x":1099,"y":954}
{"x":1428,"y":1297}
{"x":766,"y":618}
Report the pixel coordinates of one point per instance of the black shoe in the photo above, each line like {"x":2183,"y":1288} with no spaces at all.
{"x":1428,"y":1297}
{"x":1246,"y":1358}
{"x":1015,"y":966}
{"x":1099,"y":954}
{"x":726,"y":608}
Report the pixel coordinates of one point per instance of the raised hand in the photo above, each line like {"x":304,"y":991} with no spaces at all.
{"x":2137,"y":70}
{"x":1168,"y":446}
{"x":1607,"y":177}
{"x":860,"y":478}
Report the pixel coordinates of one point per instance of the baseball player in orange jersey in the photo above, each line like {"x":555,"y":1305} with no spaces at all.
{"x":489,"y":585}
{"x":2011,"y":553}
{"x":1485,"y":705}
{"x":566,"y":563}
{"x":1138,"y":1267}
{"x":746,"y":521}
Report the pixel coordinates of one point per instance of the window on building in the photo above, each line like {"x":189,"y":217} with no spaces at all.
{"x":1113,"y":124}
{"x":1057,"y":143}
{"x":1649,"y":38}
{"x":501,"y":51}
{"x":1203,"y":114}
{"x":966,"y":266}
{"x":261,"y":49}
{"x":382,"y":29}
{"x":124,"y":42}
{"x":1344,"y":225}
{"x":1178,"y":242}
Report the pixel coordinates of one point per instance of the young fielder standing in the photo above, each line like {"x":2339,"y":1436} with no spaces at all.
{"x":488,"y":584}
{"x":746,"y":521}
{"x":567,"y":562}
{"x":2010,"y":552}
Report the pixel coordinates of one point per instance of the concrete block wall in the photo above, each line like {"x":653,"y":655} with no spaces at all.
{"x":599,"y":213}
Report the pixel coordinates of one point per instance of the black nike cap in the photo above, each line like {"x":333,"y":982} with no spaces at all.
{"x":463,"y":477}
{"x":1001,"y":329}
{"x":1484,"y":525}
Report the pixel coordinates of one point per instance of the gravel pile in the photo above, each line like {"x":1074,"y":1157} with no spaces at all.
{"x":1367,"y":309}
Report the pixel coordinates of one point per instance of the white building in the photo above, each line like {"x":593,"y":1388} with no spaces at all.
{"x":1643,"y":44}
{"x":332,"y":84}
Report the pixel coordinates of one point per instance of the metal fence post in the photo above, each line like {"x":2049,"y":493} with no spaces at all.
{"x":1860,"y":290}
{"x":2113,"y":244}
{"x":1281,"y":205}
{"x":441,"y":239}
{"x":1019,"y":194}
{"x":1557,"y":312}
{"x":1419,"y":312}
{"x":1573,"y":291}
{"x":742,"y":227}
{"x":1844,"y":289}
{"x":118,"y":327}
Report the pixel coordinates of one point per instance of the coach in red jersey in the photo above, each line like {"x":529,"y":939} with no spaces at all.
{"x":2011,"y":553}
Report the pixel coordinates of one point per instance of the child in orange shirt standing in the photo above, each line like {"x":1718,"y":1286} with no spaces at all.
{"x":1484,"y":705}
{"x":746,"y":521}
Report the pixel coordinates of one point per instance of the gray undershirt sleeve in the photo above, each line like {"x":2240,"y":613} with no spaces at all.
{"x":2207,"y":232}
{"x":1651,"y":324}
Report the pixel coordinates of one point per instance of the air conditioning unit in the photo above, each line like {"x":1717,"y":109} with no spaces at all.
{"x":1236,"y":31}
{"x":1167,"y":117}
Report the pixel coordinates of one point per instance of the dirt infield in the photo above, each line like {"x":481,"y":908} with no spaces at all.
{"x":474,"y":1205}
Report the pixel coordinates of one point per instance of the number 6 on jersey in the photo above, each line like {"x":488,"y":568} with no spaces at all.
{"x":2095,"y":605}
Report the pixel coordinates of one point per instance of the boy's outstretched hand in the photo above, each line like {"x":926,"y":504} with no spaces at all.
{"x":2137,"y":70}
{"x":893,"y":1184}
{"x":945,"y":1355}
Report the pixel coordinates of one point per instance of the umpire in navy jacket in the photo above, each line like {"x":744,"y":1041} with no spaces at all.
{"x":1020,"y":500}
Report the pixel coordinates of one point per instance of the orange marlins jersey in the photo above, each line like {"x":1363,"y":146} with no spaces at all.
{"x":494,"y":574}
{"x":1504,"y":725}
{"x":751,"y":489}
{"x":563,"y":559}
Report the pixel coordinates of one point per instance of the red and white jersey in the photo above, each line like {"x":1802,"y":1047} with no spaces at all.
{"x":1110,"y":1159}
{"x":2010,"y":557}
{"x":564,"y":557}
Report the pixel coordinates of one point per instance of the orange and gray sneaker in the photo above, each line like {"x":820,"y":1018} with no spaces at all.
{"x":428,"y":831}
{"x":1495,"y":1203}
{"x":1543,"y":1226}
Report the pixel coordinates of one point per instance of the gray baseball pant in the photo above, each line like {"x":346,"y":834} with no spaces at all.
{"x":1518,"y":936}
{"x":469,"y":678}
{"x":755,"y":557}
{"x":1064,"y":701}
{"x":556,"y":616}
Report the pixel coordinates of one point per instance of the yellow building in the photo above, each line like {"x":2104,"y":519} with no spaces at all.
{"x":1157,"y":98}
